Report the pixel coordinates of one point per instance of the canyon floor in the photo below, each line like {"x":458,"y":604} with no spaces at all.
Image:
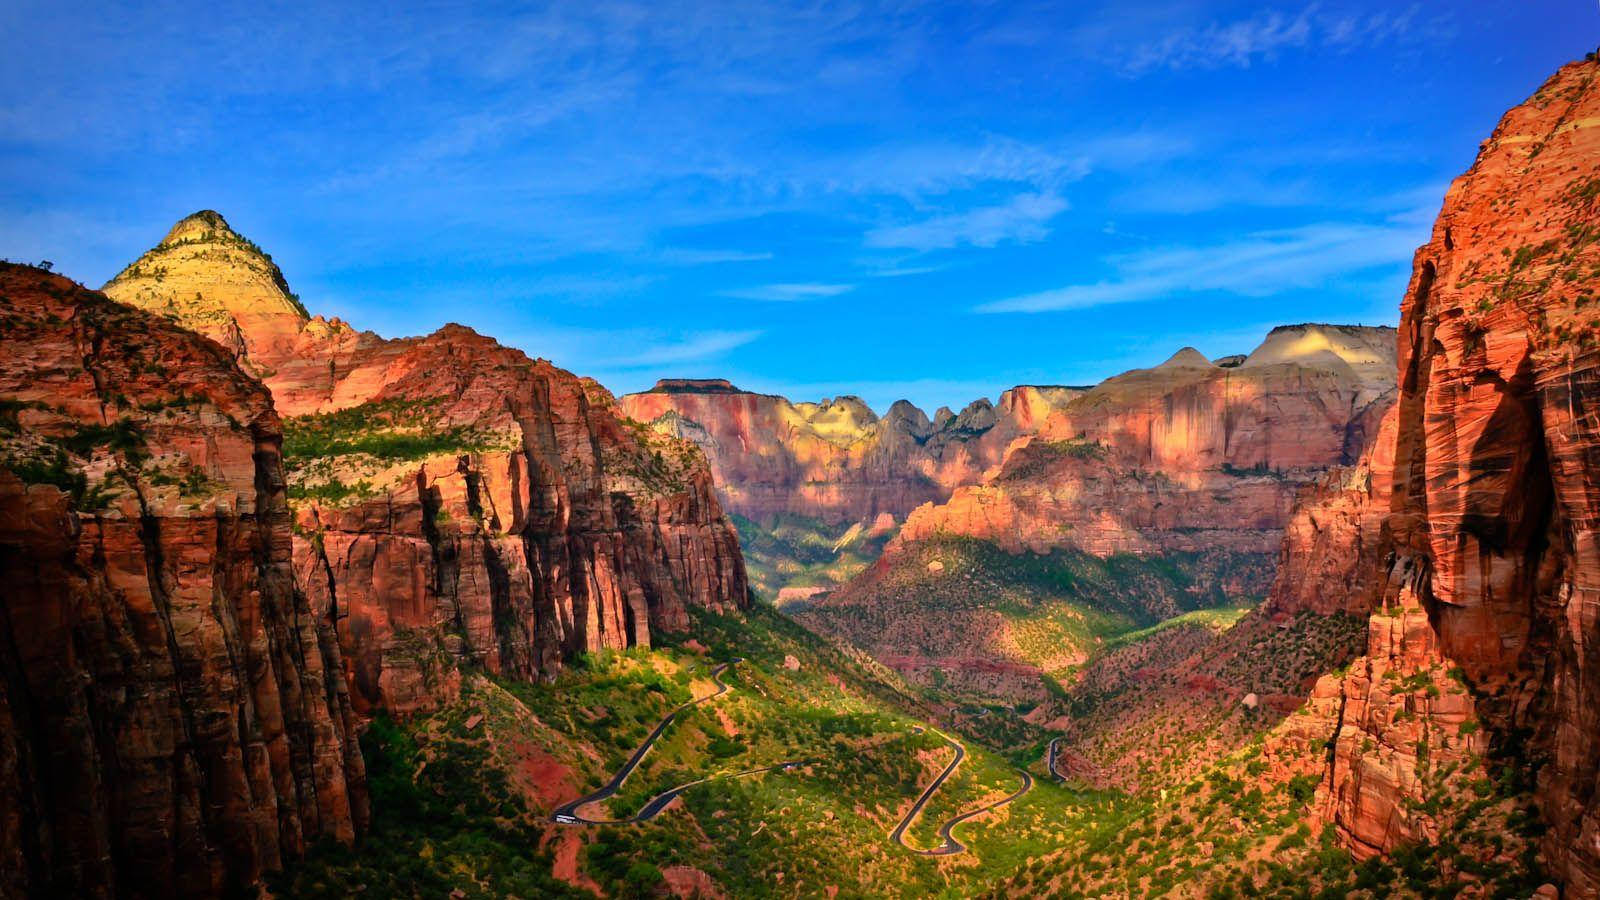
{"x":465,"y":798}
{"x":289,"y":604}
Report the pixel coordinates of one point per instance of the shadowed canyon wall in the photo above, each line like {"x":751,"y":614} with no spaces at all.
{"x":457,"y":500}
{"x":1474,"y":544}
{"x":172,"y":717}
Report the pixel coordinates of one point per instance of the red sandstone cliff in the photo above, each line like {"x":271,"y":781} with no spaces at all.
{"x":172,"y":722}
{"x":1486,"y":556}
{"x":557,"y":528}
{"x":1185,"y":456}
{"x":460,"y":500}
{"x":836,"y":460}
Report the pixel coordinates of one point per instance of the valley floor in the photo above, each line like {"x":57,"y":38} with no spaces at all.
{"x":801,"y":776}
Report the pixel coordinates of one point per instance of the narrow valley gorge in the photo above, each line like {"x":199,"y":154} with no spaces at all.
{"x":291,"y":609}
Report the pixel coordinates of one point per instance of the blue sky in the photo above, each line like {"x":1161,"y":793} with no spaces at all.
{"x":933,"y":201}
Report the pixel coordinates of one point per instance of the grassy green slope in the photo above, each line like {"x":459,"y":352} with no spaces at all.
{"x":797,"y":551}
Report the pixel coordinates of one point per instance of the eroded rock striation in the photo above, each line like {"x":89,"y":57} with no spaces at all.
{"x":455,"y":499}
{"x":1485,"y":566}
{"x":836,"y":460}
{"x":1185,"y":456}
{"x":172,"y":717}
{"x":539,"y":524}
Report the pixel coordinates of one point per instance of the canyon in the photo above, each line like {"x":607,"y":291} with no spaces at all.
{"x":457,"y":500}
{"x":295,"y":608}
{"x":173,"y":720}
{"x":1469,"y":537}
{"x":1167,"y":489}
{"x":201,"y":620}
{"x":1145,"y":462}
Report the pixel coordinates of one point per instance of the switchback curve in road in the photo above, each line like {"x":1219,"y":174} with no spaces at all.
{"x":567,"y":813}
{"x":951,"y":846}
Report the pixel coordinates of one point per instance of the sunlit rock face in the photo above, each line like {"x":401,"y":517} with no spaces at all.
{"x":564,"y":529}
{"x":211,"y":280}
{"x":1486,"y":557}
{"x":172,"y":720}
{"x":836,"y":460}
{"x":1184,"y":456}
{"x":551,"y":526}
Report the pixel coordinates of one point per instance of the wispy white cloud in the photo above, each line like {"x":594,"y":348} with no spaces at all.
{"x":584,"y":285}
{"x":1022,"y":219}
{"x":1256,"y":265}
{"x":626,"y":351}
{"x":788,"y":293}
{"x":1188,"y":194}
{"x":1243,"y":42}
{"x":680,"y":349}
{"x":898,"y":271}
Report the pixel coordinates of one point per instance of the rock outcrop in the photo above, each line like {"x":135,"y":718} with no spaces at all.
{"x":1486,"y":563}
{"x":1184,"y":456}
{"x":836,"y":460}
{"x":1331,"y":559}
{"x":172,"y":720}
{"x":218,"y":283}
{"x":455,"y":499}
{"x":543,"y":525}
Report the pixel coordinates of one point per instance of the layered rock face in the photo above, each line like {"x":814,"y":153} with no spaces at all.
{"x":836,"y":460}
{"x":172,"y":720}
{"x":216,"y":283}
{"x":1331,"y":559}
{"x":1185,"y":456}
{"x":548,"y":527}
{"x":457,"y":500}
{"x":1488,"y":558}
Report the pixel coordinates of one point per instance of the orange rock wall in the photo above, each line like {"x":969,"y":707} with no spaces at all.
{"x":1185,"y":456}
{"x":172,"y":722}
{"x":1487,"y":557}
{"x":516,"y":560}
{"x":837,"y":460}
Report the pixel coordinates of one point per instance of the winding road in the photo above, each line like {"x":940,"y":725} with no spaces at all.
{"x":567,"y":814}
{"x":951,"y":846}
{"x":1055,"y":744}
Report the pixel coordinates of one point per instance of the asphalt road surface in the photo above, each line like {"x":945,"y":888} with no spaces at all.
{"x":567,"y":814}
{"x":951,"y":846}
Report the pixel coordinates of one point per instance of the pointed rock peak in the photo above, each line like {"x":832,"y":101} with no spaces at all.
{"x":1187,"y":358}
{"x":978,"y":416}
{"x":977,"y":407}
{"x":207,"y":224}
{"x":942,"y":415}
{"x":905,"y":409}
{"x":906,"y":413}
{"x":213,"y":280}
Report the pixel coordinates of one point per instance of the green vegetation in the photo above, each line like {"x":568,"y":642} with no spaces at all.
{"x":394,"y":430}
{"x":333,"y":491}
{"x":799,"y":551}
{"x":454,"y":807}
{"x":955,"y":597}
{"x":1215,"y":620}
{"x":444,"y":818}
{"x":1039,"y":457}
